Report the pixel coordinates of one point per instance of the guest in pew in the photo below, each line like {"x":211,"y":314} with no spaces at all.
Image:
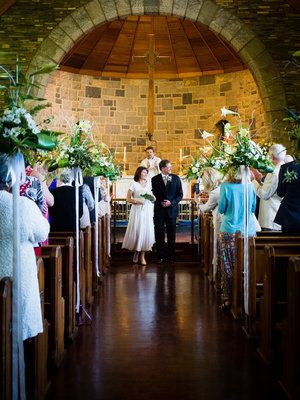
{"x":139,"y":235}
{"x":63,"y":212}
{"x":288,"y":215}
{"x":88,"y":206}
{"x":266,"y":191}
{"x":212,"y":180}
{"x":231,"y":205}
{"x":104,"y":202}
{"x":40,"y":173}
{"x":32,"y":189}
{"x":288,"y":158}
{"x":33,"y":228}
{"x":88,"y":180}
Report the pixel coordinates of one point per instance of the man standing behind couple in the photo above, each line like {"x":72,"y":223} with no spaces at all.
{"x":167,"y":189}
{"x":151,"y":162}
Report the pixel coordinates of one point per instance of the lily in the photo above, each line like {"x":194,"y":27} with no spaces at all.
{"x":205,"y":134}
{"x":225,"y":112}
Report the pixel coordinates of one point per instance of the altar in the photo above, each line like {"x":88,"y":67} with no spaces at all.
{"x":121,"y":186}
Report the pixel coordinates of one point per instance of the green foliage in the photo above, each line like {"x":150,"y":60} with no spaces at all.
{"x":18,"y":130}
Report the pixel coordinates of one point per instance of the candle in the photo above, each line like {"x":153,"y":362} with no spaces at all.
{"x":124,"y":153}
{"x":180,"y":157}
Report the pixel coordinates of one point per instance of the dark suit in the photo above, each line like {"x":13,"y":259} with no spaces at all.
{"x":63,"y":213}
{"x":288,"y":215}
{"x":166,"y":216}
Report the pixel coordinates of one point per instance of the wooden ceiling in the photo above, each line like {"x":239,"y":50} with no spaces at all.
{"x":111,"y":49}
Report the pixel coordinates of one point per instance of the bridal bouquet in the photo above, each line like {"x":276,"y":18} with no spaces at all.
{"x":146,"y":196}
{"x":19,"y":133}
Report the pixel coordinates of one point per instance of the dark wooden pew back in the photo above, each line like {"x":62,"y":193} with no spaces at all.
{"x":6,"y":338}
{"x":54,"y":302}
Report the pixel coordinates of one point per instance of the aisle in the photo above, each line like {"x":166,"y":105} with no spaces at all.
{"x":157,"y":333}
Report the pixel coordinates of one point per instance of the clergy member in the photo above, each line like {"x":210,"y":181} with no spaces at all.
{"x":151,"y":162}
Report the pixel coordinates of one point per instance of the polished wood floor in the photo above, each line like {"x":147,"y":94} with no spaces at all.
{"x":157,"y":333}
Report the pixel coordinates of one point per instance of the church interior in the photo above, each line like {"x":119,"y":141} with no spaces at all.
{"x":156,"y":74}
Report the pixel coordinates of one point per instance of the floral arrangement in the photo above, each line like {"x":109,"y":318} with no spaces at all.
{"x":80,"y":150}
{"x":103,"y":163}
{"x":239,"y":149}
{"x":74,"y":150}
{"x":19,"y":133}
{"x":265,"y":145}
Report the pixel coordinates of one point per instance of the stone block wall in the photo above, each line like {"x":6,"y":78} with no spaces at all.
{"x":117,"y":108}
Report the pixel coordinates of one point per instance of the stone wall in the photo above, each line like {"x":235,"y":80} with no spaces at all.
{"x":118,"y":110}
{"x":26,"y":24}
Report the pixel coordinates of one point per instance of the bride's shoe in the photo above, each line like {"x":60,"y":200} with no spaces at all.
{"x":135,"y":257}
{"x":142,"y":261}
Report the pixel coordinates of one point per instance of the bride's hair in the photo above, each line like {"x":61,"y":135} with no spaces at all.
{"x":138,"y":172}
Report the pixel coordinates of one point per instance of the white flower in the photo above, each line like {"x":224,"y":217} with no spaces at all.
{"x":194,"y":170}
{"x":85,"y":126}
{"x":205,"y":135}
{"x":225,"y":112}
{"x":227,"y":130}
{"x":244,"y":132}
{"x":204,"y":149}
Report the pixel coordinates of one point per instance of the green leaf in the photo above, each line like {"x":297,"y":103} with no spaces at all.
{"x":52,"y":165}
{"x":297,"y":53}
{"x":63,"y":163}
{"x":45,"y":142}
{"x":30,"y":143}
{"x":3,"y":87}
{"x":45,"y":70}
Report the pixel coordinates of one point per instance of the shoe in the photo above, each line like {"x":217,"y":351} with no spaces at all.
{"x":135,"y":257}
{"x":159,"y":261}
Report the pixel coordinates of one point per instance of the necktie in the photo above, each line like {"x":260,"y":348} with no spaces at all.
{"x":165,"y":178}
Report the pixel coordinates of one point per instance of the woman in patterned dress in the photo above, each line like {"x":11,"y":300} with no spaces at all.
{"x":231,"y":205}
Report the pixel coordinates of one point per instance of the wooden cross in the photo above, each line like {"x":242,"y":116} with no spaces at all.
{"x":151,"y":58}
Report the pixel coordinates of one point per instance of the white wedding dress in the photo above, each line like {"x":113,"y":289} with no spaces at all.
{"x":139,"y":234}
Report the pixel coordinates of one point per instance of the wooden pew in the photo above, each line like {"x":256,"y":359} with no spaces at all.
{"x":275,"y":298}
{"x":256,"y":261}
{"x":290,"y":381}
{"x":211,"y":251}
{"x":206,"y":240}
{"x":256,"y":272}
{"x":6,"y":338}
{"x":96,"y":280}
{"x":54,"y":302}
{"x":41,"y":342}
{"x":68,"y":285}
{"x":82,"y":273}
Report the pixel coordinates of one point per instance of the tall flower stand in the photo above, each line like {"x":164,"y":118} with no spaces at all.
{"x":17,"y":171}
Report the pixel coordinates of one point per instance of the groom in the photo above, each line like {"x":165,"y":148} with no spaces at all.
{"x":167,"y":189}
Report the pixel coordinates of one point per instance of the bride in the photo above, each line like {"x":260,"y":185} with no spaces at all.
{"x":139,"y":235}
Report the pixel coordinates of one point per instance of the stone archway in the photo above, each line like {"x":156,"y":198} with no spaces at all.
{"x":205,"y":12}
